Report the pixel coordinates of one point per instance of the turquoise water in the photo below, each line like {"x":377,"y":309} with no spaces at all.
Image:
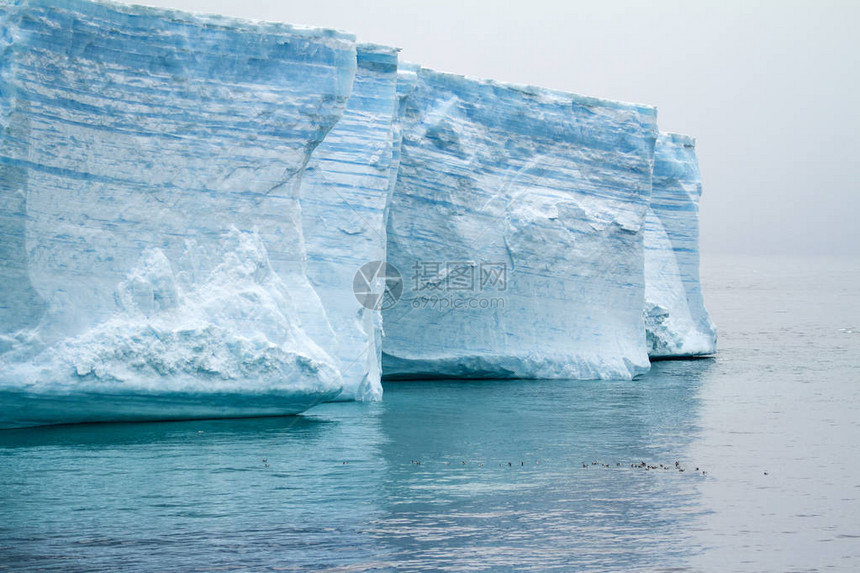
{"x":772,"y":421}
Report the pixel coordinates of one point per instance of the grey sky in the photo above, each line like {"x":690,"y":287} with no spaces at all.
{"x":769,"y":89}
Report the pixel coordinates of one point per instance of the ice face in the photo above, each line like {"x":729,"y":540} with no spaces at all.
{"x":343,"y":197}
{"x":518,"y":216}
{"x":178,"y":349}
{"x":185,"y":203}
{"x":675,"y":317}
{"x":135,"y":143}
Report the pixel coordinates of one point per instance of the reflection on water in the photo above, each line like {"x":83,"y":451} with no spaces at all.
{"x":523,"y":496}
{"x":458,"y":475}
{"x":371,"y":485}
{"x":188,"y":494}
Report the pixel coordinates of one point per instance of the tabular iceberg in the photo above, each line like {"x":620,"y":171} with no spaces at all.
{"x":518,"y":216}
{"x":185,"y":202}
{"x":151,"y":229}
{"x":676,"y":321}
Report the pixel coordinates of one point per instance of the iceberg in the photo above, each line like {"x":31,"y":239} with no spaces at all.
{"x":517,"y":221}
{"x":209,"y":217}
{"x":677,"y":323}
{"x":153,"y":253}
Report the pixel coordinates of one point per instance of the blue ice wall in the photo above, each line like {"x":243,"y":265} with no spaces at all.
{"x":344,"y":194}
{"x":152,"y":227}
{"x":677,"y":322}
{"x":517,"y":219}
{"x":194,"y":211}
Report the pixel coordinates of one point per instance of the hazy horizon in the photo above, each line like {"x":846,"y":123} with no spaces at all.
{"x":768,"y":90}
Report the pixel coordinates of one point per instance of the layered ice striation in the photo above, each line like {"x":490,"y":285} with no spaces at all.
{"x":153,"y":254}
{"x":344,"y":194}
{"x":677,"y":324}
{"x":199,"y":215}
{"x":517,"y":220}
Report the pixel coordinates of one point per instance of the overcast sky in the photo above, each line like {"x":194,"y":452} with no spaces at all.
{"x":769,"y":88}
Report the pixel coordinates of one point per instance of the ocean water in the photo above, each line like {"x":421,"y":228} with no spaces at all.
{"x":493,"y":475}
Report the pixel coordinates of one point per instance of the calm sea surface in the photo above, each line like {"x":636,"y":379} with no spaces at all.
{"x":772,"y":424}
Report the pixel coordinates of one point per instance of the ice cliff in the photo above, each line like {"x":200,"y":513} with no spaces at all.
{"x":343,"y":198}
{"x":152,"y":240}
{"x":206,"y":217}
{"x":676,"y":321}
{"x":517,"y":217}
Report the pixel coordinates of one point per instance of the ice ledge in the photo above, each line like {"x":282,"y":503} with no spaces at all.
{"x":464,"y":80}
{"x":678,"y":139}
{"x":510,"y":366}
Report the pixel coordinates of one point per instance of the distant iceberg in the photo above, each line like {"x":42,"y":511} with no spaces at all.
{"x":209,"y":217}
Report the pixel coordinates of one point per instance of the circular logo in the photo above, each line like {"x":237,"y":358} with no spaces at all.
{"x":377,"y":285}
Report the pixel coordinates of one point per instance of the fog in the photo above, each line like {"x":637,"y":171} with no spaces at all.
{"x":768,"y":88}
